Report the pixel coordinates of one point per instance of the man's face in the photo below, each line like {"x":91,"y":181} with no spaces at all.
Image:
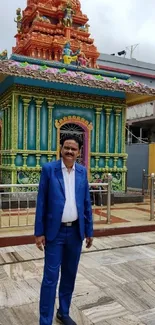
{"x":70,"y":151}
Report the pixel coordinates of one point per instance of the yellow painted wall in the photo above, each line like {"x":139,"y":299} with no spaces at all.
{"x":151,"y":158}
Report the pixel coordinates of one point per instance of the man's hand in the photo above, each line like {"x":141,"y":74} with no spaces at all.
{"x":40,"y":242}
{"x":89,"y":242}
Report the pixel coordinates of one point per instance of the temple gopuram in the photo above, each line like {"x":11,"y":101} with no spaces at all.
{"x":51,"y":86}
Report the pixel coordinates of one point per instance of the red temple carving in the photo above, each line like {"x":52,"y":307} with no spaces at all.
{"x":45,"y":26}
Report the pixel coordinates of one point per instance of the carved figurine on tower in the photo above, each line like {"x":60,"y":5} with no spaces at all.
{"x":68,"y":55}
{"x":4,"y":55}
{"x":18,"y":20}
{"x":68,"y":11}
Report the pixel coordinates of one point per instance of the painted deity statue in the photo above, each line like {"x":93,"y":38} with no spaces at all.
{"x":68,"y":55}
{"x":84,"y":28}
{"x":68,"y":16}
{"x":18,"y":20}
{"x":41,"y":18}
{"x":4,"y":55}
{"x":82,"y":60}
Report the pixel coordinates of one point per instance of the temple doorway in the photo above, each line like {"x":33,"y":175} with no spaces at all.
{"x":75,"y":129}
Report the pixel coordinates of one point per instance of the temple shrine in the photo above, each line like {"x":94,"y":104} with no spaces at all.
{"x":52,"y":86}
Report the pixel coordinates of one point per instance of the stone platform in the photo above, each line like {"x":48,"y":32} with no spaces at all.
{"x":115,"y":283}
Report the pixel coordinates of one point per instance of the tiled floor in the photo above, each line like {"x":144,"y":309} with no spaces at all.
{"x":115,"y":283}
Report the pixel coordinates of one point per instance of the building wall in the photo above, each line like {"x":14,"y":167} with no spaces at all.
{"x":151,"y":158}
{"x":138,"y":70}
{"x":31,"y":133}
{"x":140,"y":111}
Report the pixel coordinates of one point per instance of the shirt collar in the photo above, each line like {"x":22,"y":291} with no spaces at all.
{"x":64,"y":167}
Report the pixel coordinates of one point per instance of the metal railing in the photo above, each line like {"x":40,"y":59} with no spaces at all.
{"x":152,"y":196}
{"x":145,"y":183}
{"x":18,"y":203}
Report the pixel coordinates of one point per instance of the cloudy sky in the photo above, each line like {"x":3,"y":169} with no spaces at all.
{"x":115,"y":24}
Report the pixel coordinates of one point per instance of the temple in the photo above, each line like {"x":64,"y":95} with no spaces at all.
{"x":51,"y":86}
{"x":46,"y":26}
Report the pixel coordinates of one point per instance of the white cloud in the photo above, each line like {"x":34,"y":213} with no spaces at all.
{"x":115,"y":24}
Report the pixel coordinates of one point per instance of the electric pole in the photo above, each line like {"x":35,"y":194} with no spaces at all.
{"x":131,"y":49}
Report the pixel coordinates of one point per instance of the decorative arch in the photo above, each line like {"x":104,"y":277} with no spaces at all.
{"x":87,"y":127}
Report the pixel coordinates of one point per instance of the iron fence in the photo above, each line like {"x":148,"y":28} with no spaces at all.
{"x":18,"y":203}
{"x":152,"y":196}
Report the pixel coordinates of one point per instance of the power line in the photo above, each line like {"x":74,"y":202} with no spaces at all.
{"x":131,"y":49}
{"x":139,"y":139}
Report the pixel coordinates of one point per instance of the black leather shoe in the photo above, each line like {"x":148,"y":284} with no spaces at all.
{"x":64,"y":320}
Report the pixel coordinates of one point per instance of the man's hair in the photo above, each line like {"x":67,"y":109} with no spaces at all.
{"x":71,"y":137}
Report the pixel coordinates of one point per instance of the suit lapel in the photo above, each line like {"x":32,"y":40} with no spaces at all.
{"x":59,"y":176}
{"x":78,"y":178}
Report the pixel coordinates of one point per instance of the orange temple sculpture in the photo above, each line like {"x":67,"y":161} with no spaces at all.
{"x":45,"y":26}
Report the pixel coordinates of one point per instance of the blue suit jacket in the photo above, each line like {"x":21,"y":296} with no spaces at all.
{"x":51,"y":201}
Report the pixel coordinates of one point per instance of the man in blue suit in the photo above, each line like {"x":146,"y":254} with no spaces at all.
{"x":63,"y":220}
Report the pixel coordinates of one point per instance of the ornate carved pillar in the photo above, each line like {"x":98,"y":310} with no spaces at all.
{"x":6,"y":129}
{"x":38,"y":106}
{"x":97,"y":158}
{"x":50,"y":56}
{"x":25,"y":155}
{"x":108,"y":111}
{"x":39,"y":53}
{"x":115,"y":163}
{"x":13,"y":121}
{"x":44,"y":54}
{"x":13,"y":160}
{"x":2,"y":137}
{"x":117,"y":113}
{"x":26,"y":102}
{"x":49,"y":158}
{"x":98,"y":118}
{"x":33,"y":52}
{"x":9,"y":126}
{"x":16,"y":123}
{"x":123,"y":127}
{"x":68,"y":32}
{"x":50,"y":108}
{"x":38,"y":160}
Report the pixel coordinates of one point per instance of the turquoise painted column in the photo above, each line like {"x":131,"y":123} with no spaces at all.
{"x":37,"y":118}
{"x":20,"y":124}
{"x":6,"y":129}
{"x":98,"y":121}
{"x":50,"y":122}
{"x":31,"y":118}
{"x":26,"y":102}
{"x":103,"y":131}
{"x":3,"y":134}
{"x":112,"y":132}
{"x":44,"y":126}
{"x":108,"y":111}
{"x":123,"y":127}
{"x":50,"y":128}
{"x":120,"y":133}
{"x":9,"y":127}
{"x":117,"y":116}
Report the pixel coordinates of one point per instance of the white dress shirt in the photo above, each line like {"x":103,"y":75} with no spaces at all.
{"x":70,"y":212}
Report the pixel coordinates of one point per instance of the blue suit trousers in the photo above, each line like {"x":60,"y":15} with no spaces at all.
{"x":64,"y":251}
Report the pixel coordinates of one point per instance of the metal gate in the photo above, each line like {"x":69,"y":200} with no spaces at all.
{"x":137,"y":161}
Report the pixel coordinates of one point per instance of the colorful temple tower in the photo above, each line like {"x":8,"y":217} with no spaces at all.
{"x":51,"y":86}
{"x":46,"y":26}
